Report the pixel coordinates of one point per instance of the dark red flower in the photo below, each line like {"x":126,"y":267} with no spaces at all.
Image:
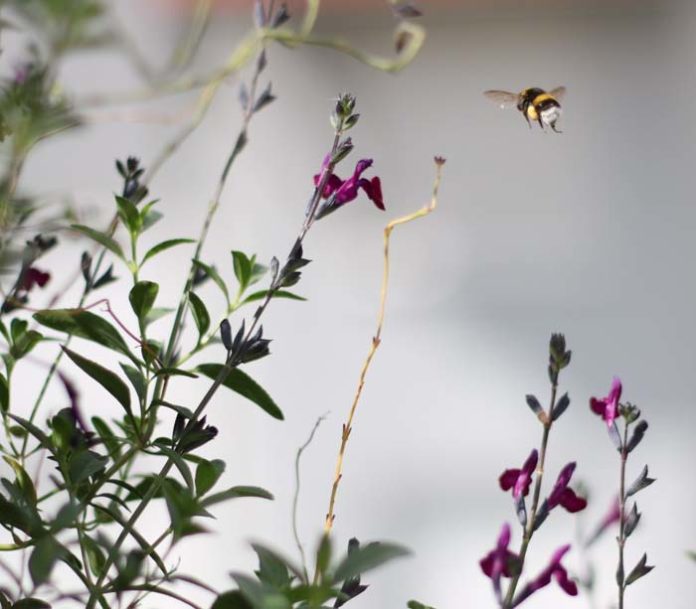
{"x":347,"y":190}
{"x":519,"y":480}
{"x":563,"y":495}
{"x":33,"y":276}
{"x":500,"y":562}
{"x":554,"y":570}
{"x":608,"y":407}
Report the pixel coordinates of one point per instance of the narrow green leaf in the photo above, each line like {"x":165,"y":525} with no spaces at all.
{"x":160,"y":247}
{"x":129,"y":214}
{"x":101,"y":238}
{"x":107,"y":379}
{"x":244,"y":385}
{"x":261,"y":294}
{"x":215,"y":276}
{"x":207,"y":474}
{"x":23,"y":481}
{"x":242,"y":268}
{"x":367,"y":557}
{"x":84,"y":464}
{"x":31,"y":603}
{"x":142,"y":296}
{"x":236,"y":492}
{"x":181,"y":465}
{"x":43,"y":439}
{"x":155,"y":314}
{"x":43,"y":558}
{"x":85,"y":325}
{"x":137,"y":379}
{"x":200,"y":314}
{"x":4,"y":394}
{"x":95,"y":555}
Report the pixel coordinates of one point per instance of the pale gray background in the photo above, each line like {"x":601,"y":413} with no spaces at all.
{"x":588,"y":232}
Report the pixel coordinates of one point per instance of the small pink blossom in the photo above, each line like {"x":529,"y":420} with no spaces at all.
{"x":347,"y":190}
{"x":519,"y":480}
{"x":554,"y":570}
{"x":563,"y":495}
{"x":608,"y":407}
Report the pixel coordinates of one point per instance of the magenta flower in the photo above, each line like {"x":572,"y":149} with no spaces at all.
{"x":608,"y":407}
{"x":33,"y":276}
{"x":347,"y":190}
{"x":563,"y":495}
{"x":554,"y":570}
{"x":500,"y":561}
{"x":519,"y":480}
{"x":612,"y":517}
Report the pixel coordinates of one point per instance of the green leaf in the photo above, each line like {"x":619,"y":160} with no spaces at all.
{"x":22,"y":481}
{"x":236,"y":492}
{"x":142,"y":296}
{"x":233,"y":599}
{"x":85,"y":325}
{"x":137,"y":379}
{"x":181,"y":465}
{"x":148,"y":216}
{"x":155,"y":314}
{"x":129,"y":214}
{"x":412,"y":604}
{"x":244,"y":385}
{"x":31,"y":603}
{"x":95,"y":555}
{"x":641,"y":569}
{"x":4,"y":394}
{"x":214,"y":275}
{"x":367,"y":557}
{"x":261,"y":294}
{"x":160,"y":247}
{"x":43,"y":558}
{"x":101,"y":238}
{"x":43,"y":439}
{"x":207,"y":474}
{"x":84,"y":464}
{"x":242,"y":268}
{"x":200,"y":314}
{"x":107,"y":379}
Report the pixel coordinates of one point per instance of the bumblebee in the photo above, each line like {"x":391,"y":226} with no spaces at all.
{"x":534,"y":103}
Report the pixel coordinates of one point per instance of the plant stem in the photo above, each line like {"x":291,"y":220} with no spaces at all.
{"x":230,"y":364}
{"x":620,"y":573}
{"x":529,"y":530}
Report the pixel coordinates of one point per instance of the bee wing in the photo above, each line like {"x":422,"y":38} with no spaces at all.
{"x":558,"y":93}
{"x":504,"y":99}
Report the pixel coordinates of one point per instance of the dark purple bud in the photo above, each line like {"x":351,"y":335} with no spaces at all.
{"x":641,"y":482}
{"x":561,"y":406}
{"x":226,"y":334}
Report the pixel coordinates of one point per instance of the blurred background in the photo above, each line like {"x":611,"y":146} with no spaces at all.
{"x":589,"y":233}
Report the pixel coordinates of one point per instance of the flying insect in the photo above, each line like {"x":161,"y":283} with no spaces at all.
{"x":534,"y":103}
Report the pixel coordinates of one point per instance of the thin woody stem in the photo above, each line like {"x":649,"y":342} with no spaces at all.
{"x":621,"y":540}
{"x":230,"y":364}
{"x":529,"y":531}
{"x":348,"y":425}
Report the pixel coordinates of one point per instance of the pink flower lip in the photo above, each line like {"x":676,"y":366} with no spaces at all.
{"x":608,"y":407}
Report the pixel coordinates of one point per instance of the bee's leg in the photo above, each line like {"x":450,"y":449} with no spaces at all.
{"x":529,"y":123}
{"x":553,"y":126}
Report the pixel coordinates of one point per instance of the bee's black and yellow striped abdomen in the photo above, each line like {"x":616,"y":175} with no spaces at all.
{"x":535,"y":102}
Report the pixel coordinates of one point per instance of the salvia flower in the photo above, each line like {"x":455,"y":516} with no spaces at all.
{"x":563,"y":495}
{"x":33,"y":277}
{"x":608,"y":407}
{"x":519,"y":480}
{"x":554,"y":570}
{"x":500,"y":562}
{"x":338,"y":192}
{"x":612,"y":517}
